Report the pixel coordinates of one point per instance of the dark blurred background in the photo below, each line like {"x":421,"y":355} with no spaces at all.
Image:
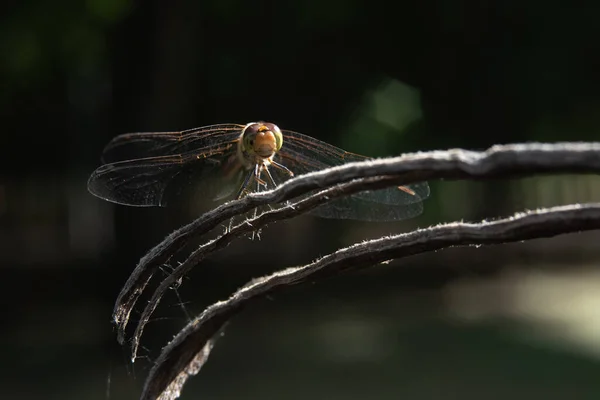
{"x":519,"y":321}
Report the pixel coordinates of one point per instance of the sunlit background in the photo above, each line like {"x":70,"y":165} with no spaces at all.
{"x":520,"y":321}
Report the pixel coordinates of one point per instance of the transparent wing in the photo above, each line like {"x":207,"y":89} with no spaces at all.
{"x":302,"y":154}
{"x":153,"y":169}
{"x":131,"y":146}
{"x":157,"y":181}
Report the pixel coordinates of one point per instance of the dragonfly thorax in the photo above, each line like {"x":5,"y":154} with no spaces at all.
{"x":259,"y":142}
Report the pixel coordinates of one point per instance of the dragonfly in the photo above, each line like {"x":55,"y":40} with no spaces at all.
{"x":230,"y":161}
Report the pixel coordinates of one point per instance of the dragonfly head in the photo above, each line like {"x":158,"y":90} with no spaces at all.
{"x":262,"y":139}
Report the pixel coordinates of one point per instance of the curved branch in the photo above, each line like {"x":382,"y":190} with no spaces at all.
{"x":496,"y":162}
{"x":248,"y":226}
{"x":189,"y":350}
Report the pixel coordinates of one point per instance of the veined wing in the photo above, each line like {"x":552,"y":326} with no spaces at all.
{"x":155,"y":181}
{"x":302,"y":154}
{"x":131,"y":146}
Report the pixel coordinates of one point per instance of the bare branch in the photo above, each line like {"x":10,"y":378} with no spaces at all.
{"x":498,"y":161}
{"x":189,"y":350}
{"x":248,"y":226}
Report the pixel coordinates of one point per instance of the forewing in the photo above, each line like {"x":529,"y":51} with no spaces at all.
{"x":131,"y":146}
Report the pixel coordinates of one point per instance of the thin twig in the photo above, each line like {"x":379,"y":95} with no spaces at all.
{"x":189,"y":350}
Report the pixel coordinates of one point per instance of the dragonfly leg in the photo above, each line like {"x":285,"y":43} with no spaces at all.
{"x":259,"y":182}
{"x":245,"y":184}
{"x":270,"y":180}
{"x":270,"y":177}
{"x":258,"y":168}
{"x":282,"y":167}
